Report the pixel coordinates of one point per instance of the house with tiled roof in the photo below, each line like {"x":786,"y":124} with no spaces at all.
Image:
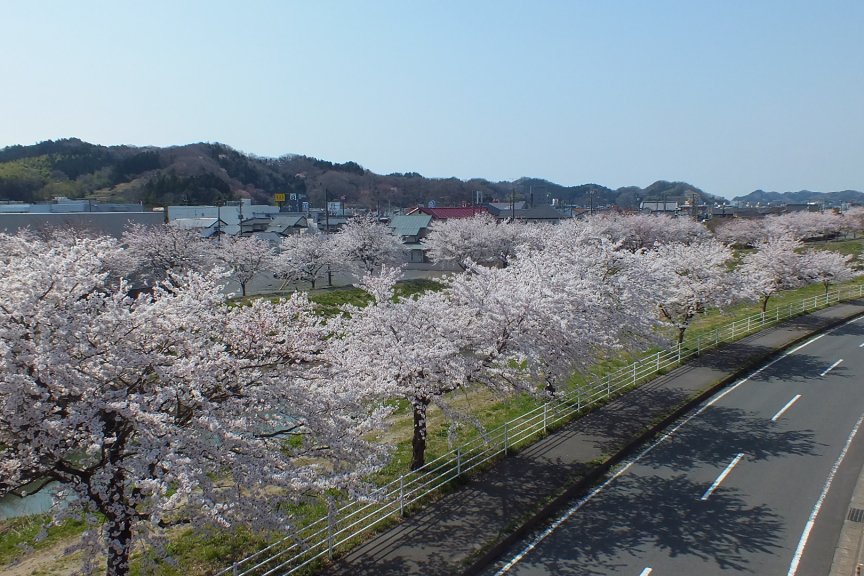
{"x":411,"y":229}
{"x":446,"y":213}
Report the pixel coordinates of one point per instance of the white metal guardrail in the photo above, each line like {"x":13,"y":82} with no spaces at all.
{"x":341,"y":524}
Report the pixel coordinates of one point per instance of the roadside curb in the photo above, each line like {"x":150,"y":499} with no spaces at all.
{"x":560,"y":502}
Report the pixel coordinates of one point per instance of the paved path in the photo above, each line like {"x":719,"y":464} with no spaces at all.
{"x":460,"y":533}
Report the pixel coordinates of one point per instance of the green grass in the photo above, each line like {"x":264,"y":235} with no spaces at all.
{"x":27,"y":532}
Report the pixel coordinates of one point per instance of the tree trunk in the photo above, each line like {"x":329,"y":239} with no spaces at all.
{"x":118,"y":525}
{"x":119,"y":532}
{"x":765,"y":303}
{"x":681,"y":332}
{"x":418,"y":442}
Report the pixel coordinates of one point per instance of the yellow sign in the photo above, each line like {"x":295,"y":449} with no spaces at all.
{"x":279,"y":197}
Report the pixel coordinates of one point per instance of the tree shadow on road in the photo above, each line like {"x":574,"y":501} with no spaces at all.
{"x":719,"y":433}
{"x":636,"y":514}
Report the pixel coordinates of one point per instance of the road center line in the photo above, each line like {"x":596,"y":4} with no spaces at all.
{"x":834,"y":365}
{"x":784,"y":408}
{"x":646,"y":572}
{"x":805,"y":535}
{"x":722,"y":476}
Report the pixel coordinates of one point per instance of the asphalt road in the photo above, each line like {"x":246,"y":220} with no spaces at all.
{"x":756,"y":481}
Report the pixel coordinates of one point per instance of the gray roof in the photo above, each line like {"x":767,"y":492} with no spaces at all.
{"x":110,"y":223}
{"x":546,"y":213}
{"x":193,"y":223}
{"x":410,"y":225}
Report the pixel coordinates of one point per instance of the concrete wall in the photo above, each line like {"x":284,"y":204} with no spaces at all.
{"x":108,"y":223}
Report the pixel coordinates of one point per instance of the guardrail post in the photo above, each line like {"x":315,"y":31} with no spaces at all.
{"x":679,"y":353}
{"x":459,"y":461}
{"x":545,"y":413}
{"x":506,"y":440}
{"x":331,"y":526}
{"x":634,"y":373}
{"x":401,"y":495}
{"x":235,"y":569}
{"x":698,"y":345}
{"x":657,"y":359}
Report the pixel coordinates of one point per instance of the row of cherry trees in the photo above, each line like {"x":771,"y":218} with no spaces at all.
{"x":169,"y":405}
{"x":360,"y":247}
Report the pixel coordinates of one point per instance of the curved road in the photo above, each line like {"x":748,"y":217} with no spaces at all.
{"x":756,"y":481}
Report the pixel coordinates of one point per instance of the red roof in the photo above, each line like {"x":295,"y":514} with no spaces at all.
{"x":449,"y":212}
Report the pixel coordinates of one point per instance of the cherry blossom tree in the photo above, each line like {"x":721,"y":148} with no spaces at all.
{"x":553,"y":311}
{"x":411,"y":348}
{"x":245,"y":257}
{"x":827,"y":267}
{"x":480,"y":239}
{"x":166,"y":408}
{"x":153,"y":252}
{"x":774,"y":266}
{"x":853,"y":220}
{"x":689,"y":279}
{"x":742,"y":231}
{"x":637,"y":231}
{"x":305,"y":257}
{"x":366,"y":244}
{"x":805,"y":225}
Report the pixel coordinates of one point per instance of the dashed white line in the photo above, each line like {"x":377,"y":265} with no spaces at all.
{"x":646,"y":572}
{"x":861,"y":345}
{"x":722,"y":476}
{"x":805,"y":535}
{"x":784,"y":408}
{"x":834,"y":365}
{"x":808,"y":342}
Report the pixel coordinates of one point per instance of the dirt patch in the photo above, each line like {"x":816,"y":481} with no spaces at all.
{"x":51,"y":561}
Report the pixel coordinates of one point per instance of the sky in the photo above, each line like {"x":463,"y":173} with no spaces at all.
{"x":728,"y":95}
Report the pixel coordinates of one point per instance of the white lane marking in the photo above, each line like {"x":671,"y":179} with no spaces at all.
{"x":834,"y":365}
{"x":626,"y":465}
{"x":585,"y":499}
{"x":646,"y":572}
{"x":861,"y":345}
{"x":722,"y":476}
{"x":784,"y":408}
{"x":792,"y":351}
{"x":796,"y":559}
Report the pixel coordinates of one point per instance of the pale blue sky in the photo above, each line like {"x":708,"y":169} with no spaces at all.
{"x":728,"y":95}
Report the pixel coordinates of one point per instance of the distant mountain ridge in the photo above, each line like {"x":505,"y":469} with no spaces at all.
{"x":801,"y":197}
{"x":210,"y":173}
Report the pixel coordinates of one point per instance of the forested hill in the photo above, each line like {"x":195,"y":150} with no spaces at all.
{"x":207,"y":173}
{"x":802,"y":197}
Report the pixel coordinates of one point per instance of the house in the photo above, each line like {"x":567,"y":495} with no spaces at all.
{"x":540,"y":214}
{"x":670,"y":207}
{"x":287,"y":223}
{"x":411,"y":229}
{"x":206,"y":227}
{"x":449,"y":212}
{"x":254,"y":224}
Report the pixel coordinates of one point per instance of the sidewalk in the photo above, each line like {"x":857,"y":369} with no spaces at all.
{"x":463,"y":531}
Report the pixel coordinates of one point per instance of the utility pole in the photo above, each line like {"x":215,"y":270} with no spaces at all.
{"x":327,"y":231}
